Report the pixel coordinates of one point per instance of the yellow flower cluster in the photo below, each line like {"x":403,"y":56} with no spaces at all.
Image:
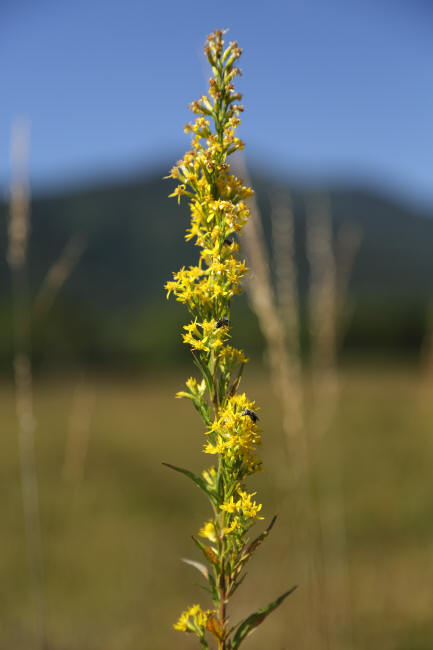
{"x":241,"y":515}
{"x":193,"y":619}
{"x":244,"y":505}
{"x":218,"y":209}
{"x":205,"y":335}
{"x":234,"y":435}
{"x":242,"y":512}
{"x":217,"y":198}
{"x":229,"y":357}
{"x":208,"y":289}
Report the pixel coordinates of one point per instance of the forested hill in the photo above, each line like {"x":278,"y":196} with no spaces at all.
{"x":134,"y":238}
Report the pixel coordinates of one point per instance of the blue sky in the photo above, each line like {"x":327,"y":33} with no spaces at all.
{"x":332,"y":88}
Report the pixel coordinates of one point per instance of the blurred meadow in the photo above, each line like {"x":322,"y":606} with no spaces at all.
{"x":336,"y":317}
{"x":114,"y":528}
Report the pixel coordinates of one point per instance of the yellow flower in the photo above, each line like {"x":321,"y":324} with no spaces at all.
{"x":196,"y":344}
{"x":193,"y":619}
{"x":231,"y":357}
{"x":183,"y":623}
{"x":209,"y":476}
{"x":246,"y":506}
{"x":208,"y":531}
{"x":229,"y":506}
{"x":191,"y":383}
{"x":234,"y":525}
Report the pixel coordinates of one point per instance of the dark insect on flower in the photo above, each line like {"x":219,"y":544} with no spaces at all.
{"x":228,"y":242}
{"x":222,"y":322}
{"x":252,"y":415}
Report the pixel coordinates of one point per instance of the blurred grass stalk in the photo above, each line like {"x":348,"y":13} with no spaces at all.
{"x":321,"y":535}
{"x":17,"y":256}
{"x":24,"y":314}
{"x":58,"y":274}
{"x":77,"y":444}
{"x":285,"y":367}
{"x":284,"y":360}
{"x":322,"y":311}
{"x":324,"y":301}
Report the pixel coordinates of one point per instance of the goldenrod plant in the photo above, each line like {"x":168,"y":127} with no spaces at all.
{"x":217,"y":201}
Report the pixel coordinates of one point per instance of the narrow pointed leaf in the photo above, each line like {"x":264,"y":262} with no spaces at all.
{"x":222,"y":386}
{"x":256,"y":543}
{"x":196,"y":479}
{"x":208,"y":590}
{"x":204,"y":371}
{"x":198,"y":404}
{"x":198,"y":543}
{"x":249,"y":624}
{"x":237,"y":584}
{"x":203,"y":412}
{"x":249,"y":550}
{"x":237,"y":381}
{"x":220,"y":483}
{"x":197,"y":565}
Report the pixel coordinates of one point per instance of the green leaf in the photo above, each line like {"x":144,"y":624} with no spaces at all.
{"x":236,"y":584}
{"x":237,"y":381}
{"x":256,"y":543}
{"x":196,"y":479}
{"x":201,"y":408}
{"x":220,"y":483}
{"x":198,"y":404}
{"x":222,"y":386}
{"x":247,"y":552}
{"x":204,"y":371}
{"x":249,"y":624}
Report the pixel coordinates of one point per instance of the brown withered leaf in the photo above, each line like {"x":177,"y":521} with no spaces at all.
{"x":211,"y":555}
{"x":214,"y":627}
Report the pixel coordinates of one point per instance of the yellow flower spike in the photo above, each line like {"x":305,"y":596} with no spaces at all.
{"x":218,"y":210}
